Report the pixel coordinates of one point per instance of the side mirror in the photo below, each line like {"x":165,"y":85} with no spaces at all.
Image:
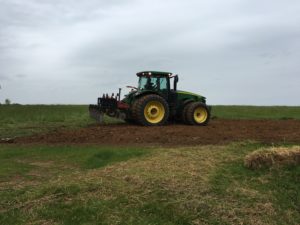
{"x":176,"y":79}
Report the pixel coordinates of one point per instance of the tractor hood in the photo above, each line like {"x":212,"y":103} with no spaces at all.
{"x":185,"y":95}
{"x":181,"y":96}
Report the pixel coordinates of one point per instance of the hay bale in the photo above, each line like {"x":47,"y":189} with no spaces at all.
{"x":268,"y":157}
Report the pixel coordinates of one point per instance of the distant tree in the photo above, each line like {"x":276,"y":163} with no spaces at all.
{"x":7,"y":101}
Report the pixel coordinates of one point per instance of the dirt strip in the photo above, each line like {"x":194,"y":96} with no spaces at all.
{"x":217,"y":132}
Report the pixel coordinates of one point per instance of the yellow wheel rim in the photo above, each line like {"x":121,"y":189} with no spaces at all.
{"x":154,"y":112}
{"x":200,"y":115}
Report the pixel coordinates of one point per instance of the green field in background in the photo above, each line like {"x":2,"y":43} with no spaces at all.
{"x":256,"y":112}
{"x":18,"y":120}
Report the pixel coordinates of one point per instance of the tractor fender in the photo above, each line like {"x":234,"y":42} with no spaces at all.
{"x":190,"y":101}
{"x":187,"y":102}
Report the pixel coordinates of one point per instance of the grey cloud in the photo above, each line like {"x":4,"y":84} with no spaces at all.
{"x":39,"y":13}
{"x":10,"y":78}
{"x":234,"y":52}
{"x":21,"y":76}
{"x":4,"y":77}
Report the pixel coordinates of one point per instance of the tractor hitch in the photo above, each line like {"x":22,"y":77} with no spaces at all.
{"x":109,"y":105}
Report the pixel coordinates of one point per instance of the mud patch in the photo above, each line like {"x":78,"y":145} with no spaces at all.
{"x":217,"y":132}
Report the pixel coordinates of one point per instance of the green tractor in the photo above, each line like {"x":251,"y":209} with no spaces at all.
{"x":154,"y":102}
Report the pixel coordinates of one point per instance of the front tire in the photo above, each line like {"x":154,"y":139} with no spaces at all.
{"x":197,"y":113}
{"x":151,"y":110}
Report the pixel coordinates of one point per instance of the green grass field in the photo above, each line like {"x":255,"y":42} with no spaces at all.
{"x":89,"y":184}
{"x":257,"y":112}
{"x":105,"y":185}
{"x":18,"y":120}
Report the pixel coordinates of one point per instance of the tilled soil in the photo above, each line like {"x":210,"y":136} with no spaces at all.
{"x":217,"y":132}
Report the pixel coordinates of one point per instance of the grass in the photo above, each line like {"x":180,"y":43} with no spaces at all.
{"x":20,"y":120}
{"x":131,"y":185}
{"x":105,"y":185}
{"x":20,"y":160}
{"x":256,"y":112}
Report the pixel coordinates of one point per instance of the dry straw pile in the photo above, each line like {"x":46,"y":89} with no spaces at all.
{"x":273,"y":156}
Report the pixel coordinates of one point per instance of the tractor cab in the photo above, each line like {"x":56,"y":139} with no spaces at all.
{"x":155,"y":81}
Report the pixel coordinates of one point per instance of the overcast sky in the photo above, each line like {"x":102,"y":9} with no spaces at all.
{"x":71,"y":51}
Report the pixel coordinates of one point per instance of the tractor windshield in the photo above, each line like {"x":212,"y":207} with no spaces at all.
{"x":152,"y":83}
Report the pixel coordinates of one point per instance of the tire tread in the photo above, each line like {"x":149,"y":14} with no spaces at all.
{"x":190,"y":113}
{"x":139,"y":105}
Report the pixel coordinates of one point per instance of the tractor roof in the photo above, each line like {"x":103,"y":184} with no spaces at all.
{"x":154,"y":73}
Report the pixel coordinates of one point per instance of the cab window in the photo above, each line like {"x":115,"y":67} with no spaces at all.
{"x":152,"y":83}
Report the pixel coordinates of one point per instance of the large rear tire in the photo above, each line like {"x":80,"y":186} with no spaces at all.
{"x":197,"y":113}
{"x":150,"y":110}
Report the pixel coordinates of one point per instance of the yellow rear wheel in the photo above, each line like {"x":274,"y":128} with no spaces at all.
{"x":154,"y":112}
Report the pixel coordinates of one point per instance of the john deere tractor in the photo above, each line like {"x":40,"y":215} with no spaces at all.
{"x":154,"y":102}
